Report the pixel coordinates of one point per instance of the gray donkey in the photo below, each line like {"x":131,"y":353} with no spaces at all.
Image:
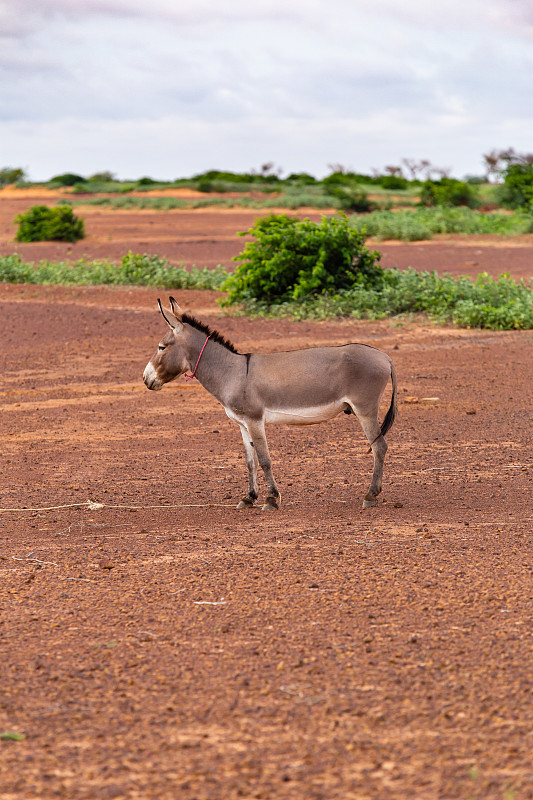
{"x":295,"y":387}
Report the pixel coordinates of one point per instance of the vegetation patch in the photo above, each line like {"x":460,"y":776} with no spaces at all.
{"x":134,"y":270}
{"x":500,"y":304}
{"x":305,"y":269}
{"x":517,"y":189}
{"x":483,"y":302}
{"x":424,"y":223}
{"x":292,"y":259}
{"x":42,"y":224}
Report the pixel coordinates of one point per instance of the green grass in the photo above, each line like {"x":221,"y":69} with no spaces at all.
{"x":483,"y":302}
{"x":133,"y":270}
{"x":423,"y":223}
{"x":291,"y":201}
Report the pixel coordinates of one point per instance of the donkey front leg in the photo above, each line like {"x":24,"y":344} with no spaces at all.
{"x":251,"y":462}
{"x":257,"y":433}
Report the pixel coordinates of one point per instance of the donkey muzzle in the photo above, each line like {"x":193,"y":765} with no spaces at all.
{"x":150,"y":378}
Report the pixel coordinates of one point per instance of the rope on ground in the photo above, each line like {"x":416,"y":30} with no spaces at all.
{"x":92,"y":506}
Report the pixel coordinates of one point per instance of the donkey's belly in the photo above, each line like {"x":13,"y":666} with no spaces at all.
{"x":303,"y":416}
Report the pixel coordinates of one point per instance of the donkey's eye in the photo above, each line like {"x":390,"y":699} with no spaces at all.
{"x":161,"y":347}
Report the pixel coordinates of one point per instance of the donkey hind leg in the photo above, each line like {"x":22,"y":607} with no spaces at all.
{"x":251,"y":462}
{"x":257,"y":432}
{"x":372,"y":430}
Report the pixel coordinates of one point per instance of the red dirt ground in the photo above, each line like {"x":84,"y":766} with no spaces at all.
{"x":207,"y":237}
{"x":158,"y":644}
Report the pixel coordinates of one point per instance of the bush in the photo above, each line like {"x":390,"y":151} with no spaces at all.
{"x":448,"y":192}
{"x":102,"y":177}
{"x":41,"y":224}
{"x":393,"y":182}
{"x":292,"y":259}
{"x":66,"y":179}
{"x":10,"y":175}
{"x":350,"y":199}
{"x":301,"y":177}
{"x":517,"y":190}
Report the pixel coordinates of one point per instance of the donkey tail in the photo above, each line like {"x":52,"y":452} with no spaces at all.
{"x":392,"y":413}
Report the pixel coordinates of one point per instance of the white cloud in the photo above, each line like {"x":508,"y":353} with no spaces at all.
{"x":235,"y":84}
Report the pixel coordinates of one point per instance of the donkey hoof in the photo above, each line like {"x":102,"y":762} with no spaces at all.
{"x":246,"y":502}
{"x":270,"y":505}
{"x":369,"y":502}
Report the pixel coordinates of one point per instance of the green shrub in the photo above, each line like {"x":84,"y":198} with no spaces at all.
{"x":66,"y":179}
{"x":393,"y":182}
{"x":301,"y":177}
{"x":292,"y":259}
{"x":42,"y":223}
{"x":11,"y":175}
{"x":448,"y":192}
{"x":350,"y":198}
{"x":517,"y":189}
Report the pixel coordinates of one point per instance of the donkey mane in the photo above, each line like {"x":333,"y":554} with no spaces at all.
{"x":214,"y":335}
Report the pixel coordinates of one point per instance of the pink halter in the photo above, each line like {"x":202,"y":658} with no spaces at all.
{"x":193,"y":374}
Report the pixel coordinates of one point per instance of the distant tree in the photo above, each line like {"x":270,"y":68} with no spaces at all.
{"x":448,"y":192}
{"x":301,"y":177}
{"x":492,"y":163}
{"x":396,"y":172}
{"x":440,"y":172}
{"x":11,"y":175}
{"x":268,"y":171}
{"x":413,"y":167}
{"x":497,"y":161}
{"x":338,"y":168}
{"x":67,"y":179}
{"x":102,"y":177}
{"x":394,"y":182}
{"x":517,"y":189}
{"x":510,"y":156}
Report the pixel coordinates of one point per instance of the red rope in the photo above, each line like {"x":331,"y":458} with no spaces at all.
{"x":193,"y":375}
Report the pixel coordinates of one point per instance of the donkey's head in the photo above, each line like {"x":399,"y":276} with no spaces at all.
{"x":170,"y":359}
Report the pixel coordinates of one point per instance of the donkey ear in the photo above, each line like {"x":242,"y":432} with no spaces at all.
{"x":176,"y":310}
{"x":172,"y":320}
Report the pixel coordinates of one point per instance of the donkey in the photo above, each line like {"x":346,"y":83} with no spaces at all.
{"x":295,"y":387}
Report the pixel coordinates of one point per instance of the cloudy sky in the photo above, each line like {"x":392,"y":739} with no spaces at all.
{"x":170,"y":88}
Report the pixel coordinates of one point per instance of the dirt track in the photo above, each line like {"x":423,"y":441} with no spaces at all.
{"x":352,"y":654}
{"x":158,"y":644}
